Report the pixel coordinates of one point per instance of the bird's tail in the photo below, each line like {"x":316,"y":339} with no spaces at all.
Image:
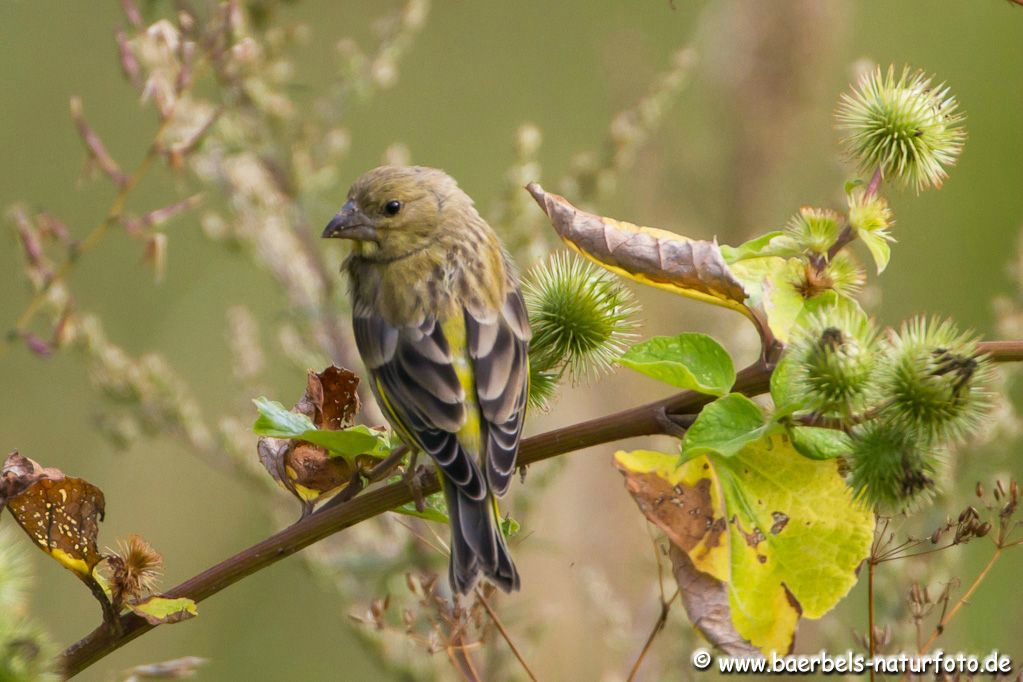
{"x":477,"y":545}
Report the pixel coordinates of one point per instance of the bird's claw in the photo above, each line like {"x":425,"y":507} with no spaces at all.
{"x":414,"y":480}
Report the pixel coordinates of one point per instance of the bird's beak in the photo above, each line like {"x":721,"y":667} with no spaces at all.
{"x":351,"y":223}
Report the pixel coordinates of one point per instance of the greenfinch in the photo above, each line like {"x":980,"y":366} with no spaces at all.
{"x":440,"y":324}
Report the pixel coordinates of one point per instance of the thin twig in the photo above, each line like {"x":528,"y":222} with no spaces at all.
{"x":947,"y":618}
{"x":870,"y":612}
{"x":467,"y":672}
{"x":96,"y":235}
{"x":658,"y":626}
{"x":504,"y":633}
{"x":848,"y":234}
{"x":875,"y":182}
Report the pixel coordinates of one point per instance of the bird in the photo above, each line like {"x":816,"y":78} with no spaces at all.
{"x":441,"y":327}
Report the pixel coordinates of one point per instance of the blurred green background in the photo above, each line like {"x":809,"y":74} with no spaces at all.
{"x":750,"y":140}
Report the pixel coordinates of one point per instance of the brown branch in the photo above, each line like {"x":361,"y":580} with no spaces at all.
{"x":637,"y":421}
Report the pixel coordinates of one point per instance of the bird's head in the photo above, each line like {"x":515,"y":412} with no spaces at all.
{"x":393,"y":211}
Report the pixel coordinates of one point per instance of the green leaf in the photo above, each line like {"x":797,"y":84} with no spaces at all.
{"x":347,"y":443}
{"x":850,"y":185}
{"x":160,"y":610}
{"x":434,"y":508}
{"x":825,"y":302}
{"x":786,"y":397}
{"x":510,"y":527}
{"x":878,"y":246}
{"x":725,"y":427}
{"x":692,"y":361}
{"x":818,"y":443}
{"x":783,"y":532}
{"x":769,"y":282}
{"x":428,"y":514}
{"x":775,"y":243}
{"x":277,"y":421}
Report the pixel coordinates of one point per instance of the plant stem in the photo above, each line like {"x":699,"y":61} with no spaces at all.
{"x":504,"y":633}
{"x":637,"y":421}
{"x":658,"y":626}
{"x":875,"y":183}
{"x":940,"y":627}
{"x":870,"y":611}
{"x":97,"y":234}
{"x":848,"y":234}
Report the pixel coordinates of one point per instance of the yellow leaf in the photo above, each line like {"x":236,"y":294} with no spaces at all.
{"x":782,"y":531}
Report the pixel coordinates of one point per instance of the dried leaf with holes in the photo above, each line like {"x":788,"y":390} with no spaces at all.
{"x":331,"y":398}
{"x":748,"y":520}
{"x":307,"y":470}
{"x":62,"y":517}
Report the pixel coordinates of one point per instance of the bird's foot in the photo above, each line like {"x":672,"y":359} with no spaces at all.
{"x":413,"y":477}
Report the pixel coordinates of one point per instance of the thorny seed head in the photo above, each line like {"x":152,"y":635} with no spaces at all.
{"x":905,"y":126}
{"x":888,"y":468}
{"x":814,"y":229}
{"x":869,"y":212}
{"x":582,"y":316}
{"x":934,"y":380}
{"x":834,"y":357}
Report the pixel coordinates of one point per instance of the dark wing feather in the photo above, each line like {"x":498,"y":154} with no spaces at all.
{"x":416,"y":383}
{"x":498,"y":345}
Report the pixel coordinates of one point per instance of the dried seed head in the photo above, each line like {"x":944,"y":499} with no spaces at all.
{"x":134,"y":568}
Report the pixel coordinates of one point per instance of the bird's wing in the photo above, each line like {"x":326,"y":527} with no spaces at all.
{"x":498,"y":345}
{"x":416,"y":383}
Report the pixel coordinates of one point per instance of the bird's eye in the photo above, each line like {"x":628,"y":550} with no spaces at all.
{"x":392,"y":207}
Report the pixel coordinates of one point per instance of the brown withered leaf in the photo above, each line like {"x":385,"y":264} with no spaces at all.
{"x":331,"y":398}
{"x":306,"y":470}
{"x":309,"y":467}
{"x":705,"y":599}
{"x":689,"y":516}
{"x":19,"y":472}
{"x":686,"y":513}
{"x":648,"y":255}
{"x":62,"y":517}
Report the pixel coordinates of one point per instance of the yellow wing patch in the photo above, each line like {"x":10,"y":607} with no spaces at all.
{"x":454,"y":332}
